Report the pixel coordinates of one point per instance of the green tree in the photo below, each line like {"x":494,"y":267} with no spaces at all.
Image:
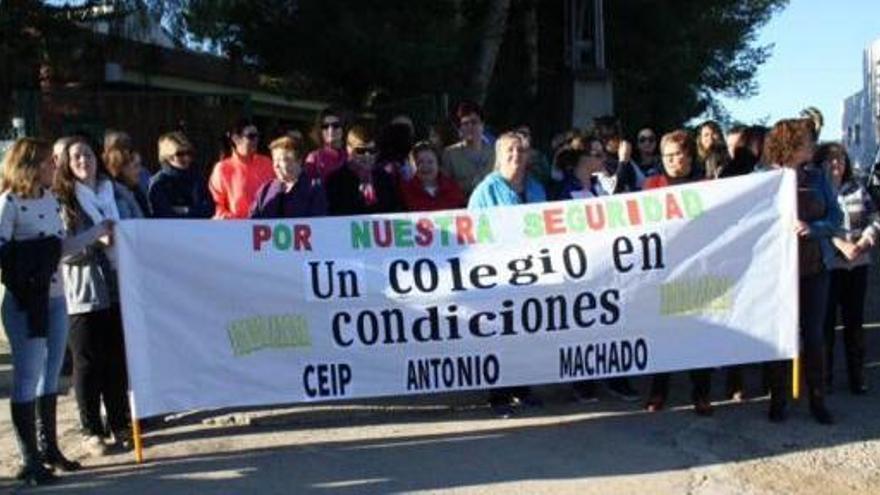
{"x":671,"y":59}
{"x":343,"y":50}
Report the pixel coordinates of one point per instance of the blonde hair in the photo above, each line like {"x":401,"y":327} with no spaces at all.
{"x":21,"y":167}
{"x":288,"y":142}
{"x":172,"y":142}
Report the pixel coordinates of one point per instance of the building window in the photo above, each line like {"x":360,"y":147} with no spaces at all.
{"x":857,"y":135}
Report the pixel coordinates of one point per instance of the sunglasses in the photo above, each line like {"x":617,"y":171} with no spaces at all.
{"x":334,"y":125}
{"x":184,"y":154}
{"x":252,"y":136}
{"x":364,"y":150}
{"x":647,"y":139}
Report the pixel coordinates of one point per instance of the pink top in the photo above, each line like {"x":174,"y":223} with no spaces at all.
{"x":322,"y":162}
{"x":235,"y":181}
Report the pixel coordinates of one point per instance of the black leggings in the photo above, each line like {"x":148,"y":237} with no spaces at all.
{"x":848,"y":289}
{"x":99,"y":371}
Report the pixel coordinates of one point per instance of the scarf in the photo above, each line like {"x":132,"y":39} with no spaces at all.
{"x":365,"y":188}
{"x":99,"y":204}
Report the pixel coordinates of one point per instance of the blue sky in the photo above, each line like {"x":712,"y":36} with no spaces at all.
{"x":817,"y":60}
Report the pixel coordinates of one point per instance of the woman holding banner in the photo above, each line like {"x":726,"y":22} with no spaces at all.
{"x":509,"y":184}
{"x":678,"y":152}
{"x":791,"y":144}
{"x":34,"y":317}
{"x":88,"y":198}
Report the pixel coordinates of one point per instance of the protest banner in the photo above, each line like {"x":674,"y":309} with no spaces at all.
{"x":238,"y":313}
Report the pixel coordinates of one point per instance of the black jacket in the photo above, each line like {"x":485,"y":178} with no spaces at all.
{"x":28,"y":267}
{"x":176,"y":193}
{"x":344,"y":197}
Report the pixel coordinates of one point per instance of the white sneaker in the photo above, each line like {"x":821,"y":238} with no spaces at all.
{"x":93,"y":445}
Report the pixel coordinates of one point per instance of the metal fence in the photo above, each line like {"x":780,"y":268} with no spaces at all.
{"x":143,"y":115}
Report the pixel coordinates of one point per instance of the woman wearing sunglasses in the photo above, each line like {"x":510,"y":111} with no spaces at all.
{"x":647,"y":153}
{"x":328,"y":132}
{"x":360,"y":187}
{"x":178,"y":189}
{"x":236,"y":178}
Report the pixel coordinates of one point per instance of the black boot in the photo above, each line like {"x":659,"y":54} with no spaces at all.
{"x":47,"y":435}
{"x":24,"y":423}
{"x":829,"y":367}
{"x":818,"y":409}
{"x":856,"y":370}
{"x":778,"y":410}
{"x":776,"y":374}
{"x":855,"y":361}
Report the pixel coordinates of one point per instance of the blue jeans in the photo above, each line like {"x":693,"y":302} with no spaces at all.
{"x":36,"y":362}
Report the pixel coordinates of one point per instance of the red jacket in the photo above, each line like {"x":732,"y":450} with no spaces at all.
{"x":234,"y":184}
{"x":661,"y":180}
{"x":656,"y":182}
{"x":448,"y":195}
{"x":324,"y":161}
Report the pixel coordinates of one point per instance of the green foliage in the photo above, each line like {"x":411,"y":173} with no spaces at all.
{"x":672,"y":58}
{"x":345,"y":48}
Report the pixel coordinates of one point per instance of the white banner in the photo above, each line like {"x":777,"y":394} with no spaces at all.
{"x":234,"y":313}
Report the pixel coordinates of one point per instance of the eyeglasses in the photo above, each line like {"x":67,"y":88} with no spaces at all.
{"x":647,"y":139}
{"x":363,"y":150}
{"x":334,"y":125}
{"x":251,"y":136}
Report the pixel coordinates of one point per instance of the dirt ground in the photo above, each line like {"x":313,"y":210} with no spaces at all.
{"x":451,"y":444}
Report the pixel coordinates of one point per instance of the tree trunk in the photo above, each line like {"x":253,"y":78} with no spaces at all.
{"x":493,"y":34}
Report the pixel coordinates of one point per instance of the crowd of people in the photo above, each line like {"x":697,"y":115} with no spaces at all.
{"x":60,"y":202}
